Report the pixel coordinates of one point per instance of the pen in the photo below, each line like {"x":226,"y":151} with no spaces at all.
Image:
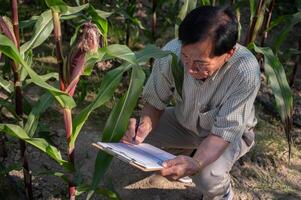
{"x":136,"y":129}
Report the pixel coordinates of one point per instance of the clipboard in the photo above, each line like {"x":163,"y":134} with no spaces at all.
{"x":143,"y":156}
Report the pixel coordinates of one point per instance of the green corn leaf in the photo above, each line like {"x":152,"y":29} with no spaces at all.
{"x":77,"y":2}
{"x":6,"y":85}
{"x":45,"y":77}
{"x":104,"y":14}
{"x":252,"y":8}
{"x":106,"y":90}
{"x":91,"y":59}
{"x":107,"y":193}
{"x":101,"y":165}
{"x":119,"y":51}
{"x":185,"y":9}
{"x":57,"y":174}
{"x":57,"y":5}
{"x":5,"y":67}
{"x":205,"y":2}
{"x":278,"y":81}
{"x":9,"y":107}
{"x":280,"y":87}
{"x":151,"y":51}
{"x":74,"y":36}
{"x":10,"y":50}
{"x":238,"y":14}
{"x":109,"y":52}
{"x":40,"y":143}
{"x":99,"y":19}
{"x":33,"y":118}
{"x":28,"y":22}
{"x":80,"y":189}
{"x":28,"y":59}
{"x":74,"y":10}
{"x":137,"y":22}
{"x":42,"y":30}
{"x":290,"y":22}
{"x":277,"y":21}
{"x":26,"y":105}
{"x":117,"y":122}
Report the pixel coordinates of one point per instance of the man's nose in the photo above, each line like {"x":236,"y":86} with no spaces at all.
{"x":192,"y":67}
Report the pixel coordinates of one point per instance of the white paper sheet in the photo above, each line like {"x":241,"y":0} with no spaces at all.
{"x":146,"y":155}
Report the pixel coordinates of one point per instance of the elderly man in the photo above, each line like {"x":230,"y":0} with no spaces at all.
{"x":215,"y":114}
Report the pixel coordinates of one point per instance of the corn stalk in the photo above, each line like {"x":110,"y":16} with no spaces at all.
{"x":69,"y":73}
{"x":154,"y":19}
{"x":256,"y":22}
{"x":131,"y":4}
{"x":67,"y":111}
{"x":266,"y":22}
{"x":19,"y":101}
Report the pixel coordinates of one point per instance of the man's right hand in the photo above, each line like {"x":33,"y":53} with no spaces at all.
{"x":143,"y":130}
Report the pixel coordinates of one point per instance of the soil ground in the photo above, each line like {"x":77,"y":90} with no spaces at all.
{"x":264,"y":173}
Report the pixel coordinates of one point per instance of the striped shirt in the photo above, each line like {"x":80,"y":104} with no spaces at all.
{"x":223,"y":104}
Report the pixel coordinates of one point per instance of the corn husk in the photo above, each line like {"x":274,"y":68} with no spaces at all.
{"x":6,"y":28}
{"x":88,"y":42}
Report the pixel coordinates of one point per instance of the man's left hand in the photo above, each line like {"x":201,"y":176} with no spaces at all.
{"x":179,"y":167}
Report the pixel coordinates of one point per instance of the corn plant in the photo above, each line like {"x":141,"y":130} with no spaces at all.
{"x":42,"y":30}
{"x":266,"y":22}
{"x":131,"y":24}
{"x":6,"y":28}
{"x":154,"y":18}
{"x":118,"y":118}
{"x":69,"y":77}
{"x":280,"y":87}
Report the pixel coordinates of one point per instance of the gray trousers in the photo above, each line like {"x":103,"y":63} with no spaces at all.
{"x":213,"y":180}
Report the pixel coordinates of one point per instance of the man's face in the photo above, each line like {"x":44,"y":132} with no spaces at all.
{"x":199,"y":61}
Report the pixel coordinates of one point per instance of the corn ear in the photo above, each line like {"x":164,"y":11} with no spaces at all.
{"x":88,"y":42}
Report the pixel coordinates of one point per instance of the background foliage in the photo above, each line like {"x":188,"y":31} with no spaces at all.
{"x":116,"y":72}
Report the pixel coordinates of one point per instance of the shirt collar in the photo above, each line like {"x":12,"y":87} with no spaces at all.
{"x":212,"y":77}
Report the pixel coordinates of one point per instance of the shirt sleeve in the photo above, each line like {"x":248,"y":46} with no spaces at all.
{"x":233,"y":114}
{"x":158,"y":89}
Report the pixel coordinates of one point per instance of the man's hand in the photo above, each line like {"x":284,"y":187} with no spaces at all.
{"x":148,"y":121}
{"x":143,"y":130}
{"x":179,"y":167}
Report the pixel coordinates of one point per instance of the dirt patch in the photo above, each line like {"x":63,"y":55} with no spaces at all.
{"x":264,"y":173}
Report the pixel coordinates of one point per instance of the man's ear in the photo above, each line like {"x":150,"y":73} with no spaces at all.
{"x":229,"y":54}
